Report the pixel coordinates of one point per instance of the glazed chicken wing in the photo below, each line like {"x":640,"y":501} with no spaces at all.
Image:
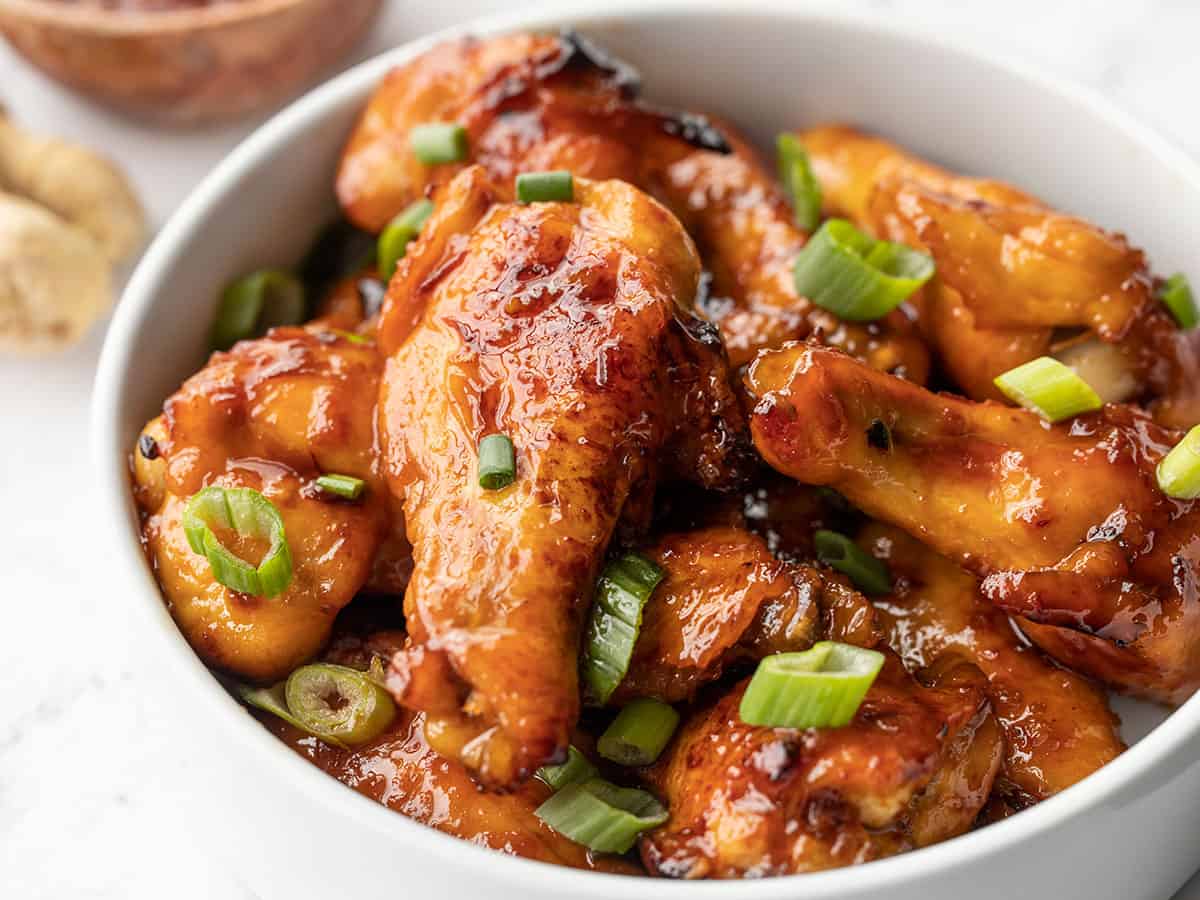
{"x":723,"y":598}
{"x":1065,"y":522}
{"x":1057,"y":725}
{"x":540,"y":102}
{"x":1015,"y":279}
{"x":748,"y":237}
{"x":915,"y":766}
{"x":271,"y":414}
{"x":564,"y":326}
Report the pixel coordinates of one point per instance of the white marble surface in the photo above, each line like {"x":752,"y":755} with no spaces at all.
{"x":90,"y":798}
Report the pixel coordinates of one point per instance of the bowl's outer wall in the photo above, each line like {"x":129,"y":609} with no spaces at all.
{"x":293,"y":833}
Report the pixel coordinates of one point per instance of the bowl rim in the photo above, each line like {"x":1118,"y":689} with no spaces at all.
{"x":141,"y":23}
{"x":1110,"y":784}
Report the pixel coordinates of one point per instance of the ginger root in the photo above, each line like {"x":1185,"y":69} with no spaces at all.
{"x":75,"y":183}
{"x":54,"y":278}
{"x":67,"y":216}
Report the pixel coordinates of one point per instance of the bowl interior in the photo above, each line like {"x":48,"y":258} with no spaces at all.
{"x":766,"y":72}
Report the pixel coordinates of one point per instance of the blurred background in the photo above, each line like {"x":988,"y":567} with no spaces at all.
{"x":91,"y":804}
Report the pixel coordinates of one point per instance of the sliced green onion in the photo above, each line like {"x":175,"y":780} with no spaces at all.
{"x":439,"y":142}
{"x":600,"y":815}
{"x":339,"y":704}
{"x":577,"y":768}
{"x":1179,"y":471}
{"x":1176,"y":293}
{"x":855,"y":276}
{"x":273,"y":699}
{"x":799,"y":182}
{"x":837,"y":551}
{"x":639,"y":733}
{"x":346,"y":486}
{"x":616,"y":618}
{"x":398,"y":234}
{"x":257,"y":303}
{"x":545,"y":187}
{"x":821,"y":687}
{"x":1049,"y":388}
{"x":250,"y":514}
{"x":497,"y":462}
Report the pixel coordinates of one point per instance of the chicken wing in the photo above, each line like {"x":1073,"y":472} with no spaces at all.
{"x":1057,"y":725}
{"x":1012,"y":275}
{"x":750,"y":801}
{"x":1065,"y":522}
{"x":564,"y":326}
{"x":538,"y":102}
{"x":271,"y":414}
{"x":400,"y":770}
{"x":748,"y":238}
{"x":723,"y":598}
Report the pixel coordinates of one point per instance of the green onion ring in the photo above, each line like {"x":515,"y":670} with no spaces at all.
{"x":600,"y":815}
{"x":337,"y":703}
{"x":1176,"y":295}
{"x":497,"y":462}
{"x":439,"y":142}
{"x":855,"y":276}
{"x":254,"y":304}
{"x":838,"y":552}
{"x":249,"y":513}
{"x":345,"y":486}
{"x":1179,"y":471}
{"x":639,"y":733}
{"x":799,"y":181}
{"x":576,"y":768}
{"x":398,"y":234}
{"x":616,"y":618}
{"x":822,"y":687}
{"x":1049,"y":388}
{"x":545,"y":187}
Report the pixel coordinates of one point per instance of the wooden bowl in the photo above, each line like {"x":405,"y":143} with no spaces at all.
{"x":187,"y":65}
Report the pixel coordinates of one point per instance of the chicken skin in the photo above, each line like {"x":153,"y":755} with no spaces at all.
{"x":1013,"y":276}
{"x":271,"y":414}
{"x":1065,"y":523}
{"x":749,"y":801}
{"x":565,"y":327}
{"x":723,"y":598}
{"x":399,"y":770}
{"x":1057,"y":726}
{"x":533,"y":102}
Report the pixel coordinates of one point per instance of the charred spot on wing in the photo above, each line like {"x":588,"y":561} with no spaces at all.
{"x":580,"y":53}
{"x":695,"y":129}
{"x":148,"y":447}
{"x":702,"y":332}
{"x":577,"y":52}
{"x":879,"y":435}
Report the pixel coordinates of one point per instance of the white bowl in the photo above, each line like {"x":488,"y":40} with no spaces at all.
{"x":1128,"y":831}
